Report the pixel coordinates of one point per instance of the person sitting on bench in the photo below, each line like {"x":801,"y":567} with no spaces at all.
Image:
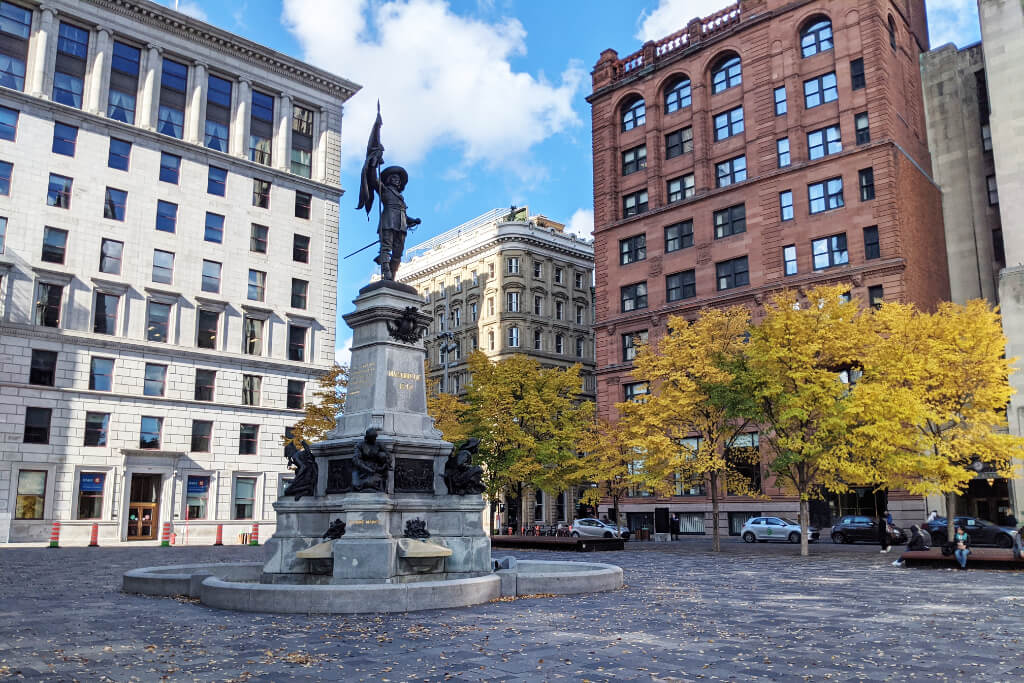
{"x":917,"y":539}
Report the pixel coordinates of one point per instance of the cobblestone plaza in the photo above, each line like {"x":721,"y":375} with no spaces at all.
{"x":750,"y":613}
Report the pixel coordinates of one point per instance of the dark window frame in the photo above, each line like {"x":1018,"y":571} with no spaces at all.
{"x":821,"y":90}
{"x":872,"y":245}
{"x":633,"y":249}
{"x":729,"y":221}
{"x":684,"y":282}
{"x":679,"y":142}
{"x":633,"y":297}
{"x":684,"y":238}
{"x":735,"y":273}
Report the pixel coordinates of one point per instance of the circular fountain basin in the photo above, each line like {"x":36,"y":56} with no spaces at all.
{"x":236,"y":586}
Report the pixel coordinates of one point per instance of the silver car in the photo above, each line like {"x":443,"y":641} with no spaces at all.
{"x":762,"y":529}
{"x":595,"y":528}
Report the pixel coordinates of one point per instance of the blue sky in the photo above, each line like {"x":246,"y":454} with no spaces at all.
{"x":482,"y":100}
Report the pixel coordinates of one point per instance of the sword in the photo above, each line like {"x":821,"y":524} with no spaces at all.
{"x":361,"y":249}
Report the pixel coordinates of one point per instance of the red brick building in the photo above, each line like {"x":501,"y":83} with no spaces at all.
{"x":776,"y":143}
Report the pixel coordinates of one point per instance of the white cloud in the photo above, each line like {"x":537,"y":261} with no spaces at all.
{"x":582,"y":223}
{"x":673,"y":15}
{"x":442,"y":79}
{"x":343,"y":356}
{"x":952,"y":21}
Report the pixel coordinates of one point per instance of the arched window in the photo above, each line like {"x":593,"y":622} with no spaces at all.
{"x":726,"y":74}
{"x":635,"y":115}
{"x":816,"y":37}
{"x":892,"y":32}
{"x":677,"y":96}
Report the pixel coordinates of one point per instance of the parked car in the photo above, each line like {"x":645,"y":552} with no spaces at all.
{"x":762,"y":529}
{"x":979,"y":531}
{"x":595,"y":528}
{"x":856,"y":528}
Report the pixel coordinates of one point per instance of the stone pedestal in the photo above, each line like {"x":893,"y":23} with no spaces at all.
{"x":387,"y":391}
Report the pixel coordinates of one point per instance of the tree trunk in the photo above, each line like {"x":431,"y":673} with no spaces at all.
{"x":805,"y":509}
{"x":716,"y":542}
{"x":950,"y":515}
{"x":519,"y":507}
{"x":615,"y":508}
{"x":494,"y":511}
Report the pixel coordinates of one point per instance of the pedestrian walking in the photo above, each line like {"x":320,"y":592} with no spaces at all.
{"x":884,"y":537}
{"x":961,"y":546}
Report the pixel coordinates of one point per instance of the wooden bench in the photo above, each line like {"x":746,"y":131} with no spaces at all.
{"x":982,"y":558}
{"x":557,"y":543}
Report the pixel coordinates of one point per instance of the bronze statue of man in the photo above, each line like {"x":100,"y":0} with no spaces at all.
{"x":394,"y":220}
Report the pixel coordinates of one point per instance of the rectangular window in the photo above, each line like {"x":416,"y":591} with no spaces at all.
{"x":634,"y":203}
{"x":513,"y":337}
{"x":538,"y":270}
{"x":578,"y":280}
{"x":680,"y":286}
{"x":630,"y":344}
{"x":55,"y":245}
{"x":248,"y":439}
{"x":252,"y":332}
{"x":48,"y":303}
{"x":681,"y":188}
{"x":302,"y":204}
{"x":124,"y":82}
{"x":634,"y":159}
{"x":780,"y":100}
{"x":101,"y":374}
{"x":8,"y":117}
{"x":559,"y":310}
{"x":728,"y":123}
{"x":261,"y":128}
{"x":296,"y":394}
{"x":786,"y":205}
{"x":31,"y":500}
{"x":171,"y":116}
{"x":104,"y":315}
{"x":69,"y":67}
{"x":679,"y":236}
{"x":872,"y":249}
{"x":206,"y":384}
{"x":559,"y":271}
{"x":43,"y":368}
{"x":149,"y":432}
{"x":300,"y":248}
{"x":211,"y":276}
{"x":789,"y":259}
{"x":300,"y":289}
{"x":986,"y":137}
{"x":202,"y":433}
{"x":37,"y":425}
{"x":65,"y":138}
{"x":114,"y":203}
{"x":819,"y":90}
{"x":197,"y":492}
{"x":632,"y":249}
{"x":512,"y":302}
{"x":538,"y":305}
{"x":825,"y":196}
{"x":155,"y":380}
{"x":862,"y":129}
{"x":823,"y":142}
{"x":58,"y":191}
{"x":302,"y":141}
{"x":207,"y":323}
{"x":297,"y":343}
{"x":538,"y":343}
{"x":158,"y":320}
{"x":679,"y":142}
{"x":170,"y":168}
{"x":830,"y":251}
{"x":163,"y":267}
{"x":634,"y":297}
{"x":782,"y":152}
{"x":96,"y":425}
{"x":214,"y":231}
{"x":15,"y":25}
{"x":635,"y":392}
{"x":993,"y":190}
{"x":257,"y":285}
{"x":867,"y":184}
{"x":730,"y":221}
{"x":244,"y":497}
{"x":218,"y":113}
{"x":258,"y":238}
{"x":119,"y":154}
{"x":732,"y":273}
{"x":857,"y":80}
{"x":251,"y":390}
{"x":731,"y":171}
{"x":876,"y":294}
{"x":261,"y":193}
{"x":216,"y":181}
{"x":511,"y":266}
{"x":6,"y":171}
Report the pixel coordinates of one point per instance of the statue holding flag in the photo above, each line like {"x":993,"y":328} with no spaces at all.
{"x":394,"y":220}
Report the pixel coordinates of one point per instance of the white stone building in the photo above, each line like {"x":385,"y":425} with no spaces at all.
{"x":168,"y":263}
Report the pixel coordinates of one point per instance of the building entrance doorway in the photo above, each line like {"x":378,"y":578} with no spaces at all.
{"x":143,"y":507}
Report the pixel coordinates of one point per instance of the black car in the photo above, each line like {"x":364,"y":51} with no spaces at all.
{"x":978,"y":530}
{"x":855,"y":528}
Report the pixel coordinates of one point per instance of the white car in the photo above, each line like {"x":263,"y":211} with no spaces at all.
{"x":595,"y":528}
{"x":762,"y":529}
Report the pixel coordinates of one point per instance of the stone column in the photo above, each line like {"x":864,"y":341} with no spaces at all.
{"x":283,"y":137}
{"x":195,"y":117}
{"x":98,"y":82}
{"x":45,"y":43}
{"x":319,"y":170}
{"x":150,"y":101}
{"x":240,"y":118}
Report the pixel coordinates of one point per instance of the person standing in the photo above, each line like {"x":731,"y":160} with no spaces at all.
{"x":961,"y":546}
{"x":884,"y":538}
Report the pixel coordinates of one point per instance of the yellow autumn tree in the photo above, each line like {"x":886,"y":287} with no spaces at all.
{"x":449,"y":413}
{"x":951,"y":377}
{"x":694,"y":412}
{"x":322,"y":413}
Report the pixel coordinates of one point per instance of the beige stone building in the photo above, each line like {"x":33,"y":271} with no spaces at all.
{"x":508,"y":282}
{"x":974,"y":106}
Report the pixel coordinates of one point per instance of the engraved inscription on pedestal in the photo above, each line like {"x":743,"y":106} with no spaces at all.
{"x":339,"y":475}
{"x":414,"y":475}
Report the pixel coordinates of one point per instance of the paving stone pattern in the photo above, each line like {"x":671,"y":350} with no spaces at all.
{"x":755,"y":612}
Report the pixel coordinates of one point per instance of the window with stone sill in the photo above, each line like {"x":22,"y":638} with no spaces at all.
{"x":300,"y":291}
{"x":824,"y":142}
{"x":679,"y":236}
{"x":214,"y":230}
{"x":634,"y":160}
{"x":65,"y":138}
{"x":632,"y":249}
{"x":248,"y":439}
{"x":679,"y":142}
{"x":634,"y":297}
{"x":252,"y":336}
{"x":170,"y":168}
{"x":158,"y":320}
{"x":37,"y":425}
{"x":244,"y":497}
{"x":681,"y":188}
{"x":114,"y":203}
{"x":105,"y":309}
{"x":43,"y":367}
{"x":789,"y":259}
{"x":154,"y":380}
{"x":30,"y":502}
{"x":786,"y":205}
{"x":296,"y":394}
{"x":816,"y":37}
{"x":782,"y":152}
{"x":300,"y":248}
{"x":211,"y":277}
{"x":728,"y":123}
{"x":732,"y":273}
{"x":206,"y":384}
{"x":119,"y":154}
{"x":830,"y":251}
{"x":55,"y":243}
{"x":820,"y":89}
{"x":163,"y":267}
{"x":780,"y":101}
{"x":677,"y":96}
{"x":261,"y":193}
{"x":150,"y":429}
{"x":101,"y":374}
{"x":58,"y":191}
{"x":202,"y":437}
{"x":258,"y":238}
{"x":679,"y":286}
{"x":8,"y":116}
{"x":634,"y":203}
{"x":731,"y":171}
{"x":303,"y":204}
{"x":251,"y":390}
{"x":216,"y":180}
{"x":297,"y":342}
{"x":634,"y":115}
{"x":257,"y":287}
{"x":6,"y":171}
{"x":726,"y":73}
{"x":49,"y":298}
{"x":825,"y":196}
{"x":96,"y":427}
{"x":730,"y":221}
{"x":631,"y":343}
